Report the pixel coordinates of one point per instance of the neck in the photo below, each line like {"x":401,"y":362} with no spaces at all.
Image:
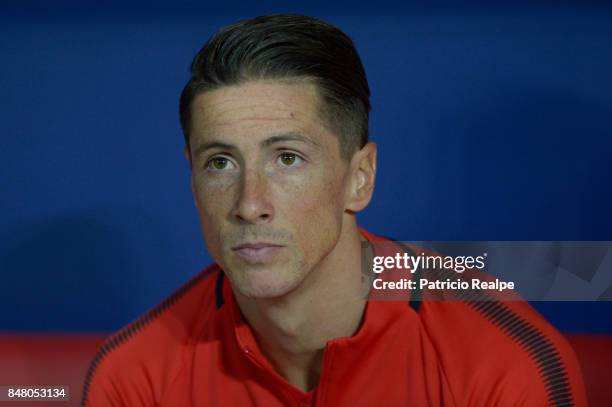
{"x":293,"y":330}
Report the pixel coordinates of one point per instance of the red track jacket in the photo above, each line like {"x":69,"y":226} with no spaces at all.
{"x":195,"y":349}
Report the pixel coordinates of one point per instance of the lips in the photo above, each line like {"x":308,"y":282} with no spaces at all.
{"x":258,"y":252}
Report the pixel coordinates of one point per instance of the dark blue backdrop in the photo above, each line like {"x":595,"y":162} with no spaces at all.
{"x":493,"y":122}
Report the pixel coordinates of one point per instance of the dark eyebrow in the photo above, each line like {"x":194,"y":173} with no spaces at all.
{"x":287,"y":137}
{"x":212,"y":144}
{"x":265,"y":143}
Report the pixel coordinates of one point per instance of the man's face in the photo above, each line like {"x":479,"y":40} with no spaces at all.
{"x":269,"y":183}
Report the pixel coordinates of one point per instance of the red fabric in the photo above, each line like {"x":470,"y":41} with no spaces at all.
{"x":48,"y":359}
{"x":188,"y":351}
{"x":595,"y":357}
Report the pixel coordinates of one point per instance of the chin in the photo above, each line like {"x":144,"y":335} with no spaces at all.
{"x":265,"y":283}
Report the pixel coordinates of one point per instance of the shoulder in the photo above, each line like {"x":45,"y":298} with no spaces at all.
{"x":495,"y":350}
{"x":136,"y":364}
{"x":502,"y":353}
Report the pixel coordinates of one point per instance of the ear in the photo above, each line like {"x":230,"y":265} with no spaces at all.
{"x":363,"y":175}
{"x":187,"y":154}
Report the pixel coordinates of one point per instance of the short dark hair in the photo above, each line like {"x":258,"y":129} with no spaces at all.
{"x":288,"y":47}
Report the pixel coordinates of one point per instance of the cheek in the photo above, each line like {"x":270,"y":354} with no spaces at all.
{"x":213,"y":195}
{"x":319,"y":202}
{"x":316,"y":210}
{"x":213,"y":204}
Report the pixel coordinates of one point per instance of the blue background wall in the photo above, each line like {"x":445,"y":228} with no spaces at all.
{"x":493,"y":123}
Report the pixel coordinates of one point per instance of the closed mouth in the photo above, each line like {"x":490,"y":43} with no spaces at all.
{"x":259,"y":252}
{"x":255,"y":246}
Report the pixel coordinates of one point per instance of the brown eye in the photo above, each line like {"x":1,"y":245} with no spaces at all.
{"x":288,"y":159}
{"x":219,"y":164}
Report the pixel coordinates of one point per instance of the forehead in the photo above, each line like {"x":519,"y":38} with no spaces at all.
{"x":258,"y":108}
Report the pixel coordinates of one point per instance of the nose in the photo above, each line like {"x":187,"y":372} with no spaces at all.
{"x":253,"y":205}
